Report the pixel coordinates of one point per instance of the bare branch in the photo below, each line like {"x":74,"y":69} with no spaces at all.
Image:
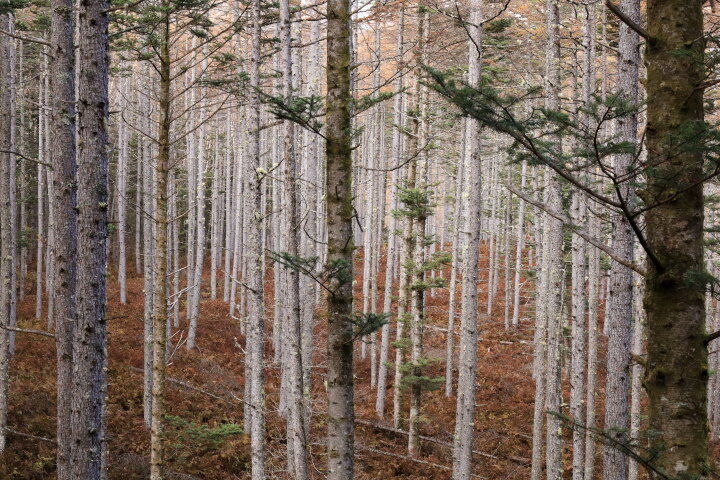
{"x":26,"y":39}
{"x":28,"y":330}
{"x":630,"y":23}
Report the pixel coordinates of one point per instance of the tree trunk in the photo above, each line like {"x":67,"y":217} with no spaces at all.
{"x":42,"y":149}
{"x":310,"y":241}
{"x":121,"y":179}
{"x":506,"y":260}
{"x":22,"y":187}
{"x":90,"y":355}
{"x":255,"y":281}
{"x":7,"y":212}
{"x":296,"y":429}
{"x":391,"y":253}
{"x":160,"y":297}
{"x":519,"y":246}
{"x":456,"y":248}
{"x":149,"y":173}
{"x":215,"y":223}
{"x":416,"y":245}
{"x":553,"y":260}
{"x":467,"y":363}
{"x":339,"y":220}
{"x":620,"y":307}
{"x":677,"y":374}
{"x":578,"y":344}
{"x":64,"y":161}
{"x":636,"y":369}
{"x":229,"y":197}
{"x":138,"y":209}
{"x":198,"y":256}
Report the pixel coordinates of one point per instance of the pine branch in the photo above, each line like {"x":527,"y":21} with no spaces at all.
{"x":624,"y":447}
{"x":488,"y":107}
{"x":577,"y":230}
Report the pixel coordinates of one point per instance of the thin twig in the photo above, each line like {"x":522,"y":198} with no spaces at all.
{"x":26,"y":39}
{"x":411,"y":459}
{"x":28,"y":330}
{"x":578,"y":230}
{"x":28,"y":435}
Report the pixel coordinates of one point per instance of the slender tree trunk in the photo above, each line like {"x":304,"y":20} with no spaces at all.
{"x":42,"y":138}
{"x":620,"y":300}
{"x":22,"y":187}
{"x":175,"y":223}
{"x":297,"y":441}
{"x":579,"y":305}
{"x":160,"y":300}
{"x":192,"y":159}
{"x":198,"y":257}
{"x":238,"y":216}
{"x":64,"y":161}
{"x":379,"y":192}
{"x":310,"y":241}
{"x":229,"y":197}
{"x":7,"y":214}
{"x":578,"y":353}
{"x":12,"y":191}
{"x":519,"y":246}
{"x":417,"y":179}
{"x":539,"y":343}
{"x":122,"y":162}
{"x":636,"y":370}
{"x":50,"y":231}
{"x":403,"y":311}
{"x":467,"y":363}
{"x":149,"y":276}
{"x":90,"y":355}
{"x":392,"y":237}
{"x":138,"y":210}
{"x":339,"y":219}
{"x":256,"y":312}
{"x":493,"y":235}
{"x":367,"y":231}
{"x":594,"y":287}
{"x":456,"y":248}
{"x":552,"y":257}
{"x":506,"y":260}
{"x":215,"y":224}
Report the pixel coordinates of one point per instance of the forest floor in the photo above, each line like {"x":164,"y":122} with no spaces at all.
{"x":203,"y":399}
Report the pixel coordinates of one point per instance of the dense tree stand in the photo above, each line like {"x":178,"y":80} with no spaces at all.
{"x":235,"y":236}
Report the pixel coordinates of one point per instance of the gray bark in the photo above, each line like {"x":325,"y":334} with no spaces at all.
{"x":89,"y":351}
{"x":391,"y":254}
{"x":64,"y":161}
{"x":552,"y":259}
{"x":467,"y":362}
{"x":620,"y":300}
{"x":456,"y":248}
{"x":519,"y":246}
{"x":159,"y":286}
{"x":339,"y":220}
{"x":7,"y":212}
{"x":296,"y":429}
{"x":256,"y":312}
